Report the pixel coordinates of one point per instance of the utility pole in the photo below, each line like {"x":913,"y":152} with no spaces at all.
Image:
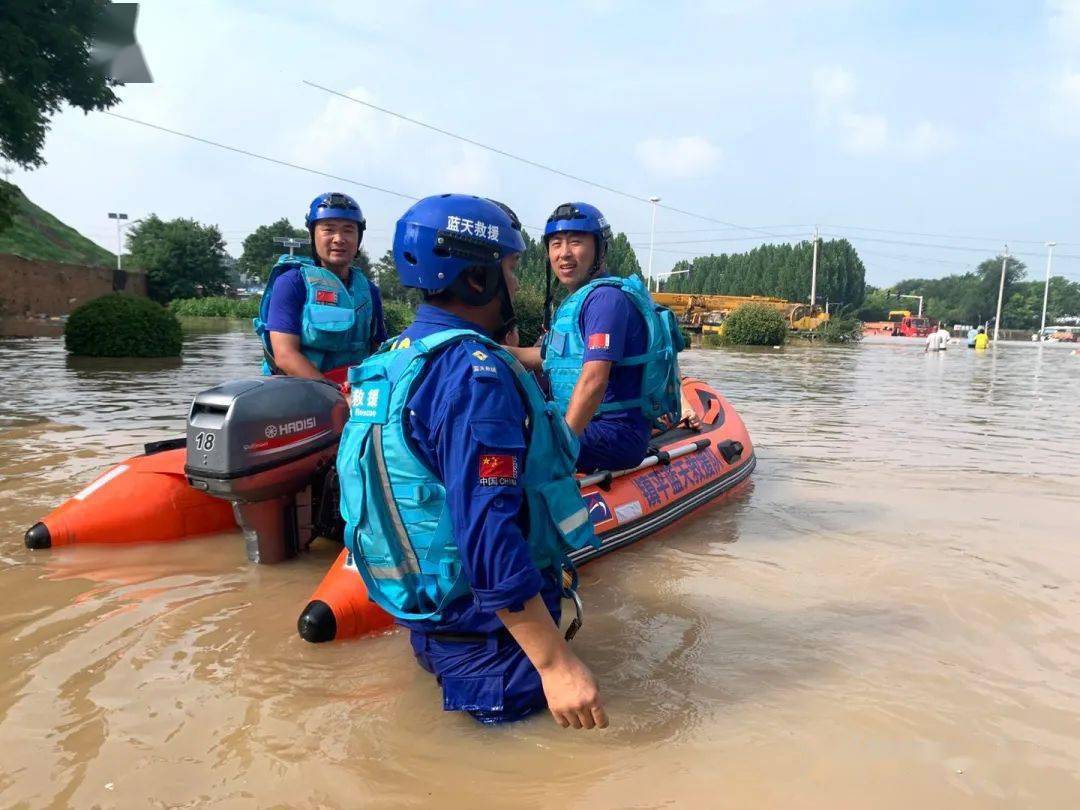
{"x":291,"y":242}
{"x":1046,"y":290}
{"x":1001,"y":292}
{"x":119,"y":244}
{"x":652,"y":236}
{"x":813,"y":271}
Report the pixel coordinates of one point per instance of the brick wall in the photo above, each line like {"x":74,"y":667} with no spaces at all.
{"x":30,"y":288}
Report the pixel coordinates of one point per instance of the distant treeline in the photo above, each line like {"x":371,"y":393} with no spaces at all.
{"x":782,"y":271}
{"x":971,"y":298}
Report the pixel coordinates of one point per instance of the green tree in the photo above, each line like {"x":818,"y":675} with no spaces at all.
{"x":390,"y":286}
{"x":621,"y":259}
{"x":778,"y":270}
{"x":44,"y":63}
{"x":260,"y":250}
{"x":182,"y":258}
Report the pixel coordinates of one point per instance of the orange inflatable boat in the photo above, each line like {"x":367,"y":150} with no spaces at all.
{"x":690,"y":469}
{"x":244,"y":463}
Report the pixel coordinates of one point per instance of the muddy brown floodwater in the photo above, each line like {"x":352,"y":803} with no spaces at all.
{"x":887,"y":617}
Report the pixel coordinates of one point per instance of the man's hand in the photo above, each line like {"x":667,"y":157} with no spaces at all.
{"x":571,"y":691}
{"x":573,"y":696}
{"x":528,"y":356}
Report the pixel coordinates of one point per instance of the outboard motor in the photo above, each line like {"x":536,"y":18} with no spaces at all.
{"x":268,"y":445}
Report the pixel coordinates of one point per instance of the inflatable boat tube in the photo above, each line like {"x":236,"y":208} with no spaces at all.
{"x":144,"y":499}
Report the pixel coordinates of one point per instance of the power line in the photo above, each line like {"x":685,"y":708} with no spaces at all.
{"x":989,"y":239}
{"x":256,"y":155}
{"x":535,"y":164}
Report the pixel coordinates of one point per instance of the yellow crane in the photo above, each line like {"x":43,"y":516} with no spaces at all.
{"x":707,"y":312}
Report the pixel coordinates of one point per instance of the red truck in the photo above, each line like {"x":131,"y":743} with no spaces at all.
{"x":902,"y":323}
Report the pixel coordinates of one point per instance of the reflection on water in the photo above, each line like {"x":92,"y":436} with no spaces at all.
{"x":885,"y":616}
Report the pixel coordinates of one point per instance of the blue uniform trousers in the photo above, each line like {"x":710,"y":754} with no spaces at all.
{"x":487,"y":675}
{"x":612,"y":445}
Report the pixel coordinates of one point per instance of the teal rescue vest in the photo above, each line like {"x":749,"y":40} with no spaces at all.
{"x":336,"y":323}
{"x":564,"y":352}
{"x":398,"y":526}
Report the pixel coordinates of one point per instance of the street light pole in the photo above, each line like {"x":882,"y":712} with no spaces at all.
{"x":1046,"y":289}
{"x":1001,"y":292}
{"x":652,"y":236}
{"x":119,"y":244}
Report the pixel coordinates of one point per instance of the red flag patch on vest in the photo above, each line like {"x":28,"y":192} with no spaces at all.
{"x":325,"y":297}
{"x":498,"y":470}
{"x":601,"y":340}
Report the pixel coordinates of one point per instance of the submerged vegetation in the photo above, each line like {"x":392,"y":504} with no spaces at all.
{"x":216,"y":306}
{"x":122,"y":326}
{"x":754,"y":325}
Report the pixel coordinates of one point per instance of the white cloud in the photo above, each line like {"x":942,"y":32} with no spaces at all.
{"x":1065,"y":19}
{"x":861,"y":132}
{"x":467,"y":170}
{"x":687,"y":156}
{"x":833,"y":87}
{"x":864,"y":134}
{"x":344,"y":127}
{"x":928,"y":139}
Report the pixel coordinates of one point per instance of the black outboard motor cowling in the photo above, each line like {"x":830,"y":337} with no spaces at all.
{"x":265,"y":444}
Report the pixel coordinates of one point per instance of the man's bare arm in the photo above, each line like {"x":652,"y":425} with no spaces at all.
{"x":573,"y":696}
{"x":289,"y":359}
{"x":588,"y":394}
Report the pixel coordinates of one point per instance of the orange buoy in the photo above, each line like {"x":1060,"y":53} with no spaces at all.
{"x":145,"y":499}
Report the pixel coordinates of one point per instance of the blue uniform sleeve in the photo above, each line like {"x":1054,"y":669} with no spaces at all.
{"x":477,"y":441}
{"x":378,"y":322}
{"x":604,"y":318}
{"x":287,"y":303}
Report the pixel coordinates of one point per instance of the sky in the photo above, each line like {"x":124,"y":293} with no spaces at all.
{"x":927,"y":133}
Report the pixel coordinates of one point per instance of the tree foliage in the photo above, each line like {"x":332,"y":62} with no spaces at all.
{"x":782,"y":271}
{"x":182,"y":258}
{"x":44,"y":63}
{"x":122,"y":326}
{"x":260,"y":250}
{"x":755,"y":325}
{"x":971,"y":298}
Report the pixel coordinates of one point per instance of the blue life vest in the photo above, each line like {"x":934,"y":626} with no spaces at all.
{"x":336,"y":323}
{"x":398,"y":526}
{"x":564,"y":352}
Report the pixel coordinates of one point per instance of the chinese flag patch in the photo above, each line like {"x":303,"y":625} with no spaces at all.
{"x":498,"y":469}
{"x":325,"y":297}
{"x":601,"y":340}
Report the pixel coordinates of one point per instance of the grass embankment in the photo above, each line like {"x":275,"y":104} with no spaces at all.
{"x":37,"y":234}
{"x":216,"y":306}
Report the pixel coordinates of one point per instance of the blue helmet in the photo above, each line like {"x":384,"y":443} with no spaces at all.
{"x":334,"y":205}
{"x":440,"y":237}
{"x":582,"y":218}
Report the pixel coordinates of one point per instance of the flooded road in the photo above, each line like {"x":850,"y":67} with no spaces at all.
{"x":887,"y":617}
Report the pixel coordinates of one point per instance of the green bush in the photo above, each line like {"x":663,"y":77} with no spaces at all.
{"x":216,"y":306}
{"x":755,"y":325}
{"x":122,"y":326}
{"x":529,"y":310}
{"x":398,"y":315}
{"x":711,"y":340}
{"x":842,"y":329}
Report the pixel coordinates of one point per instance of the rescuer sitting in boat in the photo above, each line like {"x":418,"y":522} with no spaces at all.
{"x":321,"y":315}
{"x":610,"y":355}
{"x":457,"y":483}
